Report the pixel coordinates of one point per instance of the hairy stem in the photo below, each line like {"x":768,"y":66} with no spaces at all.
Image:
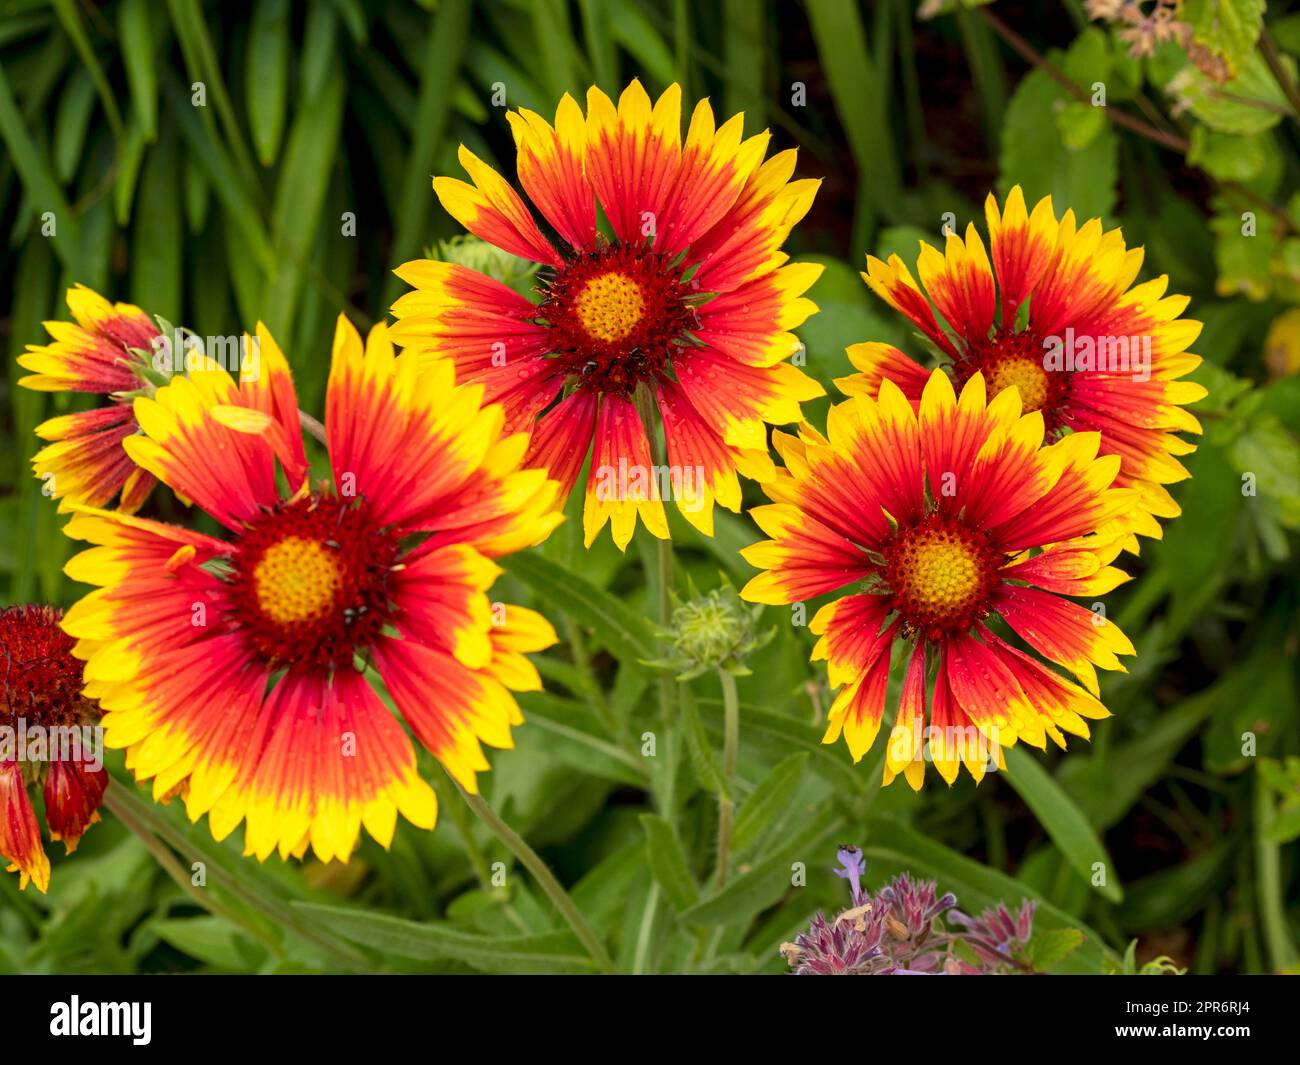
{"x":518,"y":846}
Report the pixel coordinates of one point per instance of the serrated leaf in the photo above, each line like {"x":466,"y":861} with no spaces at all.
{"x":1052,"y":945}
{"x":668,"y":863}
{"x":772,"y":795}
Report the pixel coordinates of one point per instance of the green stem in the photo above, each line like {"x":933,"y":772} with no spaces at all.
{"x":149,"y":822}
{"x":730,"y":754}
{"x":1268,"y":876}
{"x":166,"y":859}
{"x":532,"y":861}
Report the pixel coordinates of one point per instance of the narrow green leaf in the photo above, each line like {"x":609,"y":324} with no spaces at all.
{"x":266,"y":76}
{"x":859,"y":98}
{"x":70,"y":17}
{"x":128,"y":171}
{"x":135,"y":27}
{"x":617,"y":627}
{"x":767,"y":800}
{"x":744,"y":43}
{"x":600,"y":42}
{"x":319,"y":48}
{"x":305,"y":174}
{"x":668,"y":863}
{"x":435,"y":941}
{"x":1063,"y":821}
{"x":71,"y":123}
{"x":443,"y":54}
{"x":39,"y":184}
{"x":203,"y":66}
{"x":222,"y":176}
{"x":634,"y":33}
{"x":157,"y":278}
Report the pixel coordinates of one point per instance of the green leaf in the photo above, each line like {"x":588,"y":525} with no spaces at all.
{"x":210,"y":939}
{"x":1051,"y":946}
{"x":444,"y":52}
{"x":39,"y":184}
{"x":750,"y":893}
{"x":1169,"y":897}
{"x":1228,"y":28}
{"x":767,"y":800}
{"x":668,"y":863}
{"x":622,"y":630}
{"x":135,"y":28}
{"x":267,"y":76}
{"x":1225,"y":155}
{"x":1063,"y":821}
{"x":1035,"y":156}
{"x":70,"y":17}
{"x":1250,"y":103}
{"x":319,"y":48}
{"x":71,"y":123}
{"x":157,"y":276}
{"x":216,"y":164}
{"x":309,"y":161}
{"x":577,"y":741}
{"x":546,"y":952}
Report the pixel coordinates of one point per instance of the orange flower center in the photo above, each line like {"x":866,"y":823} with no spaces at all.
{"x":297,"y":579}
{"x":616,"y":315}
{"x":610,"y":306}
{"x":941,"y":575}
{"x":310,"y":583}
{"x":1024,"y":374}
{"x":1016,"y":359}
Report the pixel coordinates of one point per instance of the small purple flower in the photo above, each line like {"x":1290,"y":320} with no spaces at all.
{"x":902,"y":931}
{"x":853,"y":866}
{"x":847,"y":946}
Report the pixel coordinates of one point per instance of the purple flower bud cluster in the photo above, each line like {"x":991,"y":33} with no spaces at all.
{"x":907,"y":928}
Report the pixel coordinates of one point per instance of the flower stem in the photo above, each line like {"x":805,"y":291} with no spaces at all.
{"x":167,"y":861}
{"x":730,"y":753}
{"x":532,"y":861}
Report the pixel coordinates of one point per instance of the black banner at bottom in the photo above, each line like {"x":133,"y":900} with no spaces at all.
{"x":332,"y":1014}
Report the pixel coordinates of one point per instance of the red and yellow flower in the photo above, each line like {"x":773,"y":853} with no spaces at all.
{"x":686,"y":303}
{"x":46,"y":742}
{"x":234,"y":669}
{"x":1052,"y":309}
{"x":106,"y":351}
{"x":964,"y":532}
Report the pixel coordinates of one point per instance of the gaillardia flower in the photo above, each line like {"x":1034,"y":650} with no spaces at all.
{"x":107,"y":351}
{"x":686,"y":303}
{"x":1053,"y":313}
{"x":954,"y":521}
{"x":234,"y":669}
{"x":46,"y":741}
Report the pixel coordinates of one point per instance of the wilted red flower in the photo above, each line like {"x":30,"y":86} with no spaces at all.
{"x":44,"y":723}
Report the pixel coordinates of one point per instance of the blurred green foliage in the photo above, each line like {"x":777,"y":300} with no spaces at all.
{"x":303,"y":178}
